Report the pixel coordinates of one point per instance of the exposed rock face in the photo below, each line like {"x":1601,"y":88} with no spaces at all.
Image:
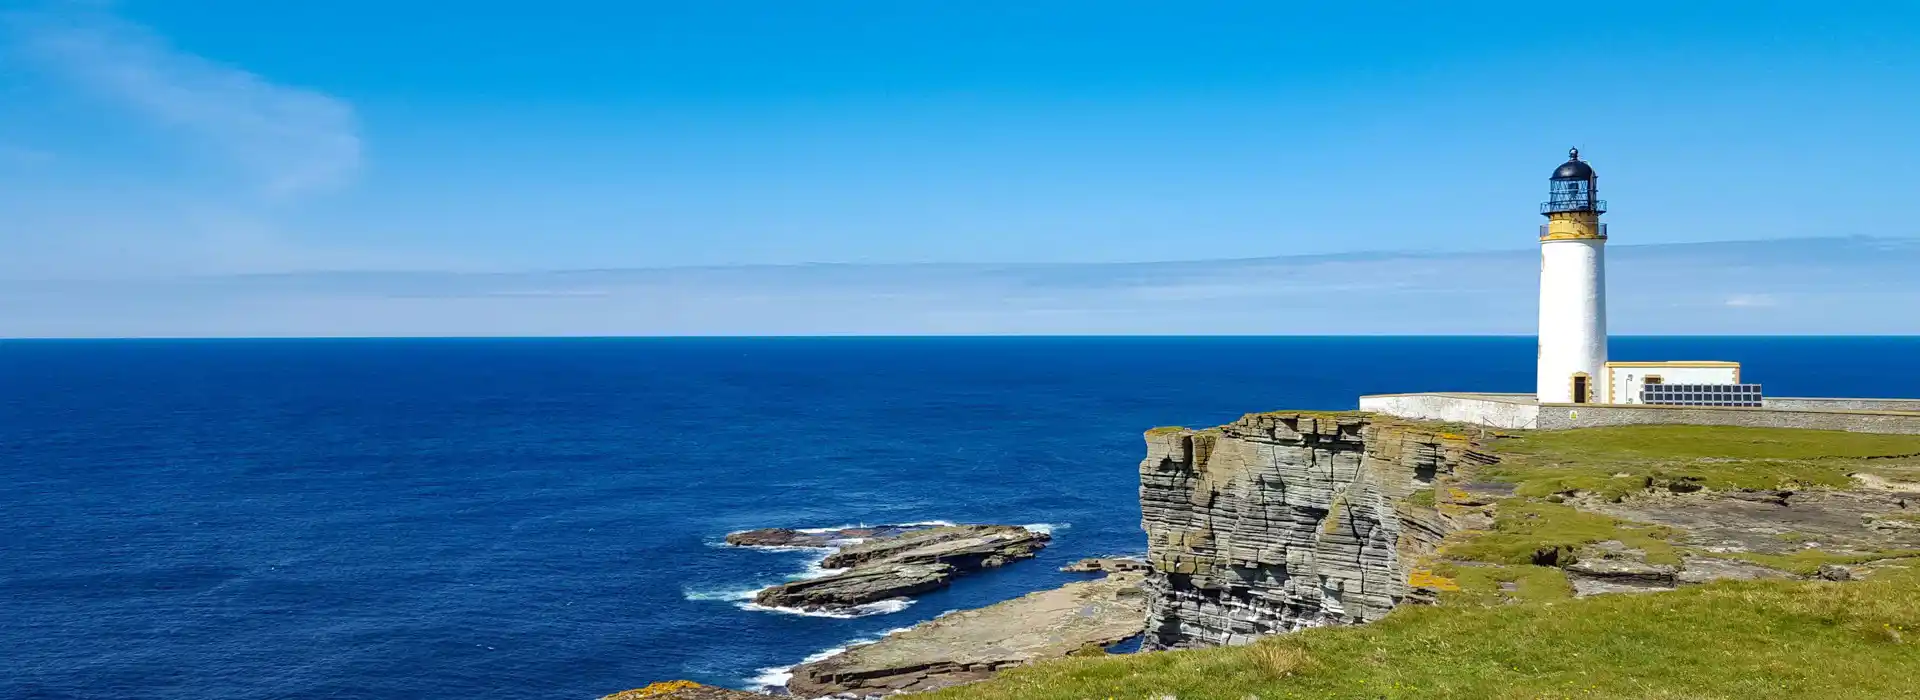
{"x":969,"y":646}
{"x":1282,"y":521}
{"x":1106,"y":564}
{"x":965,"y":547}
{"x":862,"y":585}
{"x":1611,"y":567}
{"x":903,"y":564}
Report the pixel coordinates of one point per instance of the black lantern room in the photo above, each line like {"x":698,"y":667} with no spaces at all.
{"x":1575,"y":188}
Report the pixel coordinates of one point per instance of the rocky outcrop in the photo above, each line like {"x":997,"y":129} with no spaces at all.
{"x":1282,"y":521}
{"x":903,"y":564}
{"x":965,"y":547}
{"x":862,"y":585}
{"x":968,"y":646}
{"x":1612,"y":567}
{"x":1112,"y":565}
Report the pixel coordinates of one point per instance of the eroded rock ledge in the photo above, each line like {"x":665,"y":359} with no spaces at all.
{"x":971,"y":645}
{"x":1282,"y":521}
{"x":903,"y":564}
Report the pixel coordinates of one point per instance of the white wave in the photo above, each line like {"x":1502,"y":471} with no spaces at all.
{"x":819,"y":530}
{"x":1046,"y":528}
{"x":815,"y":570}
{"x":884,"y":607}
{"x":777,"y":676}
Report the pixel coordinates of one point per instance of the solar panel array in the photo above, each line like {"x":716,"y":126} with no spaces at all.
{"x":1737,"y":395}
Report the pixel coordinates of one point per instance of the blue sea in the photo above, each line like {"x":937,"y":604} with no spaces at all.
{"x":541,"y":518}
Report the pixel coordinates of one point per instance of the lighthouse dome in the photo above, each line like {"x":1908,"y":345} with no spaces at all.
{"x":1574,"y":168}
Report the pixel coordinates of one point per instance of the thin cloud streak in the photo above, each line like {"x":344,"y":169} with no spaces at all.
{"x":293,"y":140}
{"x":1836,"y":285}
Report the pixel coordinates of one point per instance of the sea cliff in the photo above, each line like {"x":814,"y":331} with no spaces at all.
{"x":1281,"y":521}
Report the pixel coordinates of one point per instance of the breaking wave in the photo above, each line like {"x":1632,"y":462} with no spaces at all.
{"x":883,"y":607}
{"x":776,"y":677}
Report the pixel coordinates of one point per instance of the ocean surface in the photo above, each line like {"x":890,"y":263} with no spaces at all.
{"x":541,"y":518}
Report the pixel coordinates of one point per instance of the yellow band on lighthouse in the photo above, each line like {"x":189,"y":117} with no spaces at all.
{"x":1573,"y":226}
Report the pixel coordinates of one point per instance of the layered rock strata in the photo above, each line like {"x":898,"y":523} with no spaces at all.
{"x":904,"y":564}
{"x":863,"y":585}
{"x":1112,"y":565}
{"x":972,"y":645}
{"x":965,"y":547}
{"x":1282,"y":521}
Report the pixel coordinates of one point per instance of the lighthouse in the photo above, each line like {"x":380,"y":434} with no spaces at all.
{"x":1573,"y":287}
{"x":1572,"y":367}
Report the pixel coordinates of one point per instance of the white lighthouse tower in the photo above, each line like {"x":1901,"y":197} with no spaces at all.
{"x":1573,"y":287}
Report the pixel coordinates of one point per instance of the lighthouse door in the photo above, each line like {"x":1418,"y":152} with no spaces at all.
{"x":1580,"y":388}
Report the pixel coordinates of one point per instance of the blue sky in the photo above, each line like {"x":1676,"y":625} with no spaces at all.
{"x":161,"y":138}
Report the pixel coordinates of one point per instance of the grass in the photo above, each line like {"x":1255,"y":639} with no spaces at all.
{"x":1509,"y":628}
{"x":1481,"y":585}
{"x":1533,"y":532}
{"x":1807,"y":562}
{"x":1749,"y":640}
{"x":1619,"y":461}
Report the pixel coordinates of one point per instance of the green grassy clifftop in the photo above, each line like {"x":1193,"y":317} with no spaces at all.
{"x":1632,"y":562}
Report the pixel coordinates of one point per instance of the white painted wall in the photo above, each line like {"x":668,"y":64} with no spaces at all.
{"x":1627,"y":380}
{"x":1573,"y":317}
{"x":1515,"y":412}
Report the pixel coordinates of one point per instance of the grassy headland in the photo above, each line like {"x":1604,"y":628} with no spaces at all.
{"x":1510,"y":628}
{"x":1747,"y":640}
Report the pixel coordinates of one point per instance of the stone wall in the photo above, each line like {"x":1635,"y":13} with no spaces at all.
{"x":1566,"y":416}
{"x":1282,"y":521}
{"x":1508,"y":411}
{"x":1518,"y":411}
{"x":1797,"y":403}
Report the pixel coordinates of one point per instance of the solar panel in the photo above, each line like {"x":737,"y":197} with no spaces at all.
{"x":1734,"y":395}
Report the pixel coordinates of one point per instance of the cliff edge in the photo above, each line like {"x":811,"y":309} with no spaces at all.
{"x":1282,"y":521}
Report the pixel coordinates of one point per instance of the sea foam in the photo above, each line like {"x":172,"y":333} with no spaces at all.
{"x":776,"y":677}
{"x":1046,"y":528}
{"x":882,"y":607}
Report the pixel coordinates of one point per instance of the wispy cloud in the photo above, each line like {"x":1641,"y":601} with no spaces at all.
{"x":1815,"y":286}
{"x":292,"y":140}
{"x":1751,"y":300}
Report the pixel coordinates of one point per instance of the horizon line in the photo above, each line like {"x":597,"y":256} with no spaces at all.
{"x":957,"y":336}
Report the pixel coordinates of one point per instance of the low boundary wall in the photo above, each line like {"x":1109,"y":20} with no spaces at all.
{"x":1519,"y":411}
{"x":1794,"y":403}
{"x":1510,"y":411}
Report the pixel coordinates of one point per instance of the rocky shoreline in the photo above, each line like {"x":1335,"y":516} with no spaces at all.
{"x":898,"y":561}
{"x":971,"y":645}
{"x":872,"y":564}
{"x":1284,"y":521}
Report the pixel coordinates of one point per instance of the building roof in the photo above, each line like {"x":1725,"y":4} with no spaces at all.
{"x":1574,"y":168}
